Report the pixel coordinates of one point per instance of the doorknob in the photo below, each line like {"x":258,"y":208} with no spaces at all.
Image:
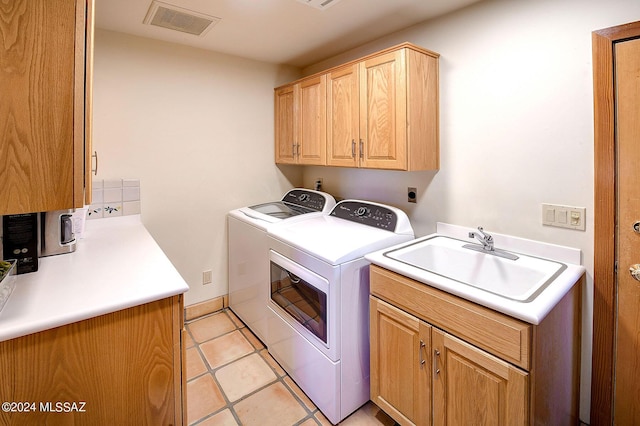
{"x":636,"y":227}
{"x":634,"y":270}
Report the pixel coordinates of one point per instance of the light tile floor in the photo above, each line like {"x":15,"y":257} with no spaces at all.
{"x":232,"y":380}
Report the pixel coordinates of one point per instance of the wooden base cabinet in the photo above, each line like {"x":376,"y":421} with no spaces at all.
{"x":123,"y":368}
{"x":438,"y":359}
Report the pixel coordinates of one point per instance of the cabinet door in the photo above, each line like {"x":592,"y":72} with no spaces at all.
{"x":37,"y":62}
{"x":400,"y":364}
{"x":285,"y":114}
{"x":126,"y":366}
{"x":383,"y":111}
{"x":343,"y":117}
{"x":471,"y":386}
{"x":312,"y":125}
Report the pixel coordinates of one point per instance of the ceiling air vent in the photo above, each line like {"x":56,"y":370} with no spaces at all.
{"x":178,"y":19}
{"x":319,"y":4}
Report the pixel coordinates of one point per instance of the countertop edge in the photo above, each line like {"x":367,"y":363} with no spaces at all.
{"x":77,"y":286}
{"x":61,"y":321}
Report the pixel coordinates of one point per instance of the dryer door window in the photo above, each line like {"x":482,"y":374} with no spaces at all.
{"x":304,"y":302}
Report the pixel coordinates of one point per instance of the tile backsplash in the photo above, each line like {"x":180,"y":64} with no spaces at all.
{"x":114,"y":197}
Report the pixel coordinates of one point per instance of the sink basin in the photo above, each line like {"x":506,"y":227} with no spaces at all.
{"x":520,"y":280}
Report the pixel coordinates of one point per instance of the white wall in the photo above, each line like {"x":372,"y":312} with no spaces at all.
{"x":197,"y":128}
{"x":516,"y":116}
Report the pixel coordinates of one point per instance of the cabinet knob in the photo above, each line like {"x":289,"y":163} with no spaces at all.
{"x":634,"y":270}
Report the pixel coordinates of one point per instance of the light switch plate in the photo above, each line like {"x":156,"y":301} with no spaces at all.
{"x":564,"y":216}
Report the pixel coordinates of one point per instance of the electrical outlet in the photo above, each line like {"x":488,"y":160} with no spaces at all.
{"x":318,"y":184}
{"x":411,"y":195}
{"x":207,"y":277}
{"x":564,"y":216}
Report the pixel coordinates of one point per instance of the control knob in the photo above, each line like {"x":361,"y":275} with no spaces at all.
{"x":362,"y":211}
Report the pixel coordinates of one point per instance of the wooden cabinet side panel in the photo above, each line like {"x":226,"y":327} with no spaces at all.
{"x":120,"y":364}
{"x":79,"y":97}
{"x":343,"y":117}
{"x":555,"y":370}
{"x":36,"y":120}
{"x":180,"y":360}
{"x":87,"y":148}
{"x":423,"y":132}
{"x":383,"y":111}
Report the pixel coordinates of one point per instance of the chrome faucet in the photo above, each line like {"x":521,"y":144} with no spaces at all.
{"x":485,"y":239}
{"x":487,"y":245}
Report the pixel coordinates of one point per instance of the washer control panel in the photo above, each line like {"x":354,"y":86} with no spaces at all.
{"x":366,"y":213}
{"x":307,"y":199}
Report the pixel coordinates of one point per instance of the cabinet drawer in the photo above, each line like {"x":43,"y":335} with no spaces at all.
{"x":498,"y":334}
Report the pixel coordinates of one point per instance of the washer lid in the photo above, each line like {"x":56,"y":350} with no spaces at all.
{"x":296,"y":202}
{"x":280,"y":209}
{"x":336,"y":239}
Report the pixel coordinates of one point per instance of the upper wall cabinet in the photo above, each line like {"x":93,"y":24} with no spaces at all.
{"x":44,"y":57}
{"x":381,"y":112}
{"x":300,"y":122}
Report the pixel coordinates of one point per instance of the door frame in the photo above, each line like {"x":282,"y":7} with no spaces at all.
{"x":604,"y":274}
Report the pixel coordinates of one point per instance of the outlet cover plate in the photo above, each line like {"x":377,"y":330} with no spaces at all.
{"x":412,"y":194}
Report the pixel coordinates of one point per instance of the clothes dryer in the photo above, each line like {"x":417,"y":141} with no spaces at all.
{"x":319,"y":298}
{"x":248,"y":251}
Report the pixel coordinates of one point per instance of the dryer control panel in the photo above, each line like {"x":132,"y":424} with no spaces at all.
{"x":369,"y":214}
{"x":311,"y":200}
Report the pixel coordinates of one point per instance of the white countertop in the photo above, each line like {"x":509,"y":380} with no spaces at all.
{"x":117,"y":265}
{"x":532,"y":312}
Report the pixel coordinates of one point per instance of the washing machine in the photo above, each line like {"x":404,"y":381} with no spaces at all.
{"x":249,"y":254}
{"x":319,"y":299}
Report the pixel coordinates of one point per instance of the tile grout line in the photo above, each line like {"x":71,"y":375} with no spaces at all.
{"x":310,"y":413}
{"x":211,"y":371}
{"x":229,"y":404}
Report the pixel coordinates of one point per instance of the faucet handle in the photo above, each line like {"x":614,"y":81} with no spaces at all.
{"x":485,"y":239}
{"x":485,"y":235}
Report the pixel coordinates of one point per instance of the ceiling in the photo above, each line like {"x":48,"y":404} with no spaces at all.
{"x":279,"y":31}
